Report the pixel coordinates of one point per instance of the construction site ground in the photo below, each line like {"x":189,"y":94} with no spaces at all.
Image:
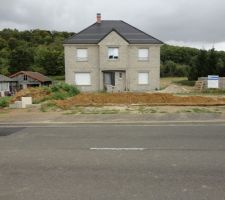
{"x":174,"y":102}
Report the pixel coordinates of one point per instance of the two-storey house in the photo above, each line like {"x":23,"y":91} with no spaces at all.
{"x":114,"y":56}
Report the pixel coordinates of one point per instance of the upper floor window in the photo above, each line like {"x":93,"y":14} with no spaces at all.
{"x":82,"y":55}
{"x":25,"y":77}
{"x":143,"y":54}
{"x":113,"y":53}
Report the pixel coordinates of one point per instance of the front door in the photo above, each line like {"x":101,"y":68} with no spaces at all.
{"x":114,"y":81}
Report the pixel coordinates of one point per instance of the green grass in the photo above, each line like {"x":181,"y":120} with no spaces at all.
{"x":184,"y":82}
{"x":4,"y":102}
{"x":213,"y":91}
{"x":200,"y":110}
{"x":59,"y":91}
{"x":93,"y":110}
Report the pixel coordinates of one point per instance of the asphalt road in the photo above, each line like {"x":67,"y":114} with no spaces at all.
{"x":100,"y":162}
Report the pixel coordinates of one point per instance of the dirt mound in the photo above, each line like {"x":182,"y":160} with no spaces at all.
{"x":36,"y":93}
{"x":175,"y":89}
{"x":100,"y":99}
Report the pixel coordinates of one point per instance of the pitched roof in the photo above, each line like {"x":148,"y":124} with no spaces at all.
{"x":97,"y":31}
{"x":5,"y":78}
{"x":34,"y":75}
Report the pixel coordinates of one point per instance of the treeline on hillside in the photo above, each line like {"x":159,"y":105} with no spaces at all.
{"x":42,"y":51}
{"x":191,"y":62}
{"x":36,"y":50}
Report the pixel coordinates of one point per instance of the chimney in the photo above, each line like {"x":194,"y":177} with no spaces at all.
{"x":99,"y":18}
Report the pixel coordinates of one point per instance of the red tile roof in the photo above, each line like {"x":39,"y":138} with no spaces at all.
{"x":34,"y":75}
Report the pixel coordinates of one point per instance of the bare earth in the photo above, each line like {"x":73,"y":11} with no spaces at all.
{"x":115,"y":114}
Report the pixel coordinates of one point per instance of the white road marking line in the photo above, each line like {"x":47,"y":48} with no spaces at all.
{"x":118,"y":149}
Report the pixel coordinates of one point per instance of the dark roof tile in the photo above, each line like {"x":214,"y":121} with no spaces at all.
{"x":96,"y":32}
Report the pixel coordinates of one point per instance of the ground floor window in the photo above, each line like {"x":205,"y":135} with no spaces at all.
{"x":143,"y":78}
{"x":83,"y":78}
{"x":4,"y":86}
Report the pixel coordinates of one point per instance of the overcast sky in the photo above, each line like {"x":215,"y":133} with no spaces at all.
{"x":197,"y":23}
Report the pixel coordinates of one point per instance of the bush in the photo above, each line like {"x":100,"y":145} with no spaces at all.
{"x":61,"y":91}
{"x":59,"y":96}
{"x":172,"y":69}
{"x":71,"y":90}
{"x":4,"y":102}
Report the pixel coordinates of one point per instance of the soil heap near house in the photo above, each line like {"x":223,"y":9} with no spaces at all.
{"x":37,"y":94}
{"x":102,"y":99}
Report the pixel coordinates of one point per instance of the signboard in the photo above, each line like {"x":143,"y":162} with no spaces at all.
{"x":213,"y":81}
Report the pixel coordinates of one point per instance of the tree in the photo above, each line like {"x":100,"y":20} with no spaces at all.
{"x":212,"y":62}
{"x":50,"y":60}
{"x":21,"y":58}
{"x":12,"y":43}
{"x":3,"y":43}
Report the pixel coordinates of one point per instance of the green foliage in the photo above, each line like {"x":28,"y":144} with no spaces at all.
{"x":190,"y":62}
{"x":4,"y":102}
{"x":172,"y":69}
{"x":42,"y":51}
{"x":185,"y":82}
{"x":3,"y":43}
{"x":58,"y":78}
{"x":214,"y":91}
{"x":36,"y":50}
{"x":65,"y":89}
{"x":207,"y":63}
{"x":21,"y":58}
{"x":52,"y":60}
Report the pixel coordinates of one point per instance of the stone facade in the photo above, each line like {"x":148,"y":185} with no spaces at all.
{"x":125,"y":68}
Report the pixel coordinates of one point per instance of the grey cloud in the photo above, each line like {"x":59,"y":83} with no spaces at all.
{"x":177,"y":20}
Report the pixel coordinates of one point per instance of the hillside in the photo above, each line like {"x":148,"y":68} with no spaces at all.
{"x":42,"y":51}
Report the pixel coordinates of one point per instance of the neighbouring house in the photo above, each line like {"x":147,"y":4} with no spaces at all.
{"x":27,"y":79}
{"x":6,"y":85}
{"x":114,"y":56}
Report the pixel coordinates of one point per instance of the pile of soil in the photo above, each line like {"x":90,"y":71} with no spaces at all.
{"x":36,"y":93}
{"x":102,"y":99}
{"x":175,"y":89}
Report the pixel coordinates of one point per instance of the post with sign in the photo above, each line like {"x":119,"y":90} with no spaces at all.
{"x":213,"y":81}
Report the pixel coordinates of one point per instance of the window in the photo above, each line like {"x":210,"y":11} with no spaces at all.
{"x":109,"y":78}
{"x":143,"y":78}
{"x":82,"y":78}
{"x":4,"y":86}
{"x":113,"y":53}
{"x":25,"y":77}
{"x":143,"y":54}
{"x":82,"y":55}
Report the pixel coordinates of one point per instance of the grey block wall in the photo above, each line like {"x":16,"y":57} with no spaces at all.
{"x":128,"y":61}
